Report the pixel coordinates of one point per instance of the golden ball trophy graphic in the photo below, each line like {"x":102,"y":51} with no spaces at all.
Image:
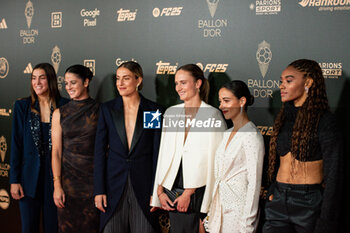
{"x":29,"y":12}
{"x":3,"y":148}
{"x":56,"y":58}
{"x":264,"y":56}
{"x":212,"y":5}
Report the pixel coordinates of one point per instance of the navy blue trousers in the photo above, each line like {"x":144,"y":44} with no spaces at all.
{"x":42,"y":205}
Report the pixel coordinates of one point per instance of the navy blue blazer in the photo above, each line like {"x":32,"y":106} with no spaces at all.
{"x":25,"y":158}
{"x":114,"y":162}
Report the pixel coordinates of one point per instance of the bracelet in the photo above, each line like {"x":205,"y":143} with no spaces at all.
{"x":56,"y":178}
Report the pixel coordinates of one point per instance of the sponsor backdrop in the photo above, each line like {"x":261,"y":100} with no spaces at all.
{"x":248,"y":40}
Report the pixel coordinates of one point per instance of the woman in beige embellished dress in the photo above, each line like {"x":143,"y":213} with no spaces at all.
{"x":238,"y":166}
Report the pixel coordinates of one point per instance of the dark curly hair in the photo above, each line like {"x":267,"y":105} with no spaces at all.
{"x":308,"y":116}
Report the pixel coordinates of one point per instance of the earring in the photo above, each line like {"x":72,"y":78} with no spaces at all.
{"x":306,"y":89}
{"x":137,"y":87}
{"x":241,"y":110}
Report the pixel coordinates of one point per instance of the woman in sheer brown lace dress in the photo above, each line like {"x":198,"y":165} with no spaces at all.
{"x":73,"y":135}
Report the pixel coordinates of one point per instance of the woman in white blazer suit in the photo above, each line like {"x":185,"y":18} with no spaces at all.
{"x":185,"y":169}
{"x":238,"y":166}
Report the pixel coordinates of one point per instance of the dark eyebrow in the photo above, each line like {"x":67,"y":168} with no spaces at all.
{"x":288,"y":76}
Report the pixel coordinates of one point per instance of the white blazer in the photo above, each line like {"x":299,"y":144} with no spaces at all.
{"x":197,"y":153}
{"x":238,"y":170}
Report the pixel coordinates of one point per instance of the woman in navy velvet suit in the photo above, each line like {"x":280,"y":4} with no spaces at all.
{"x":126,"y":157}
{"x":30,"y":174}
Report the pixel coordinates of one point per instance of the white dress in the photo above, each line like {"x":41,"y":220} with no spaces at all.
{"x":238,"y":169}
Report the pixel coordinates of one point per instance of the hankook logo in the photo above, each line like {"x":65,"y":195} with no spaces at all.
{"x":327,"y":5}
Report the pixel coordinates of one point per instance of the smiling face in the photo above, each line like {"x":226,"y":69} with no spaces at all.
{"x":186,"y":86}
{"x":40,"y":83}
{"x":230,"y":105}
{"x":127,"y":82}
{"x":75,"y":86}
{"x":292,"y":87}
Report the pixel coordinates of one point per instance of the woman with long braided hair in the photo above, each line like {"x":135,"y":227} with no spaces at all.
{"x":306,"y":152}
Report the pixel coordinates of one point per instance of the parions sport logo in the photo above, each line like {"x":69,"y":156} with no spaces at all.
{"x":331,"y":70}
{"x":327,"y":5}
{"x":266,"y":7}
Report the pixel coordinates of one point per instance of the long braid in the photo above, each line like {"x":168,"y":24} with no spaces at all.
{"x":308,"y":116}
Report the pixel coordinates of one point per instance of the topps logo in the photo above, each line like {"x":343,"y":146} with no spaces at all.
{"x":165,"y":68}
{"x":126,"y":15}
{"x":168,"y":11}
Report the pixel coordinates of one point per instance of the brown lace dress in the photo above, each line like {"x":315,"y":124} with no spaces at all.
{"x":79,"y":123}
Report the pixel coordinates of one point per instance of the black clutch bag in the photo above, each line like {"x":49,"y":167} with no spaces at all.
{"x":196,"y":198}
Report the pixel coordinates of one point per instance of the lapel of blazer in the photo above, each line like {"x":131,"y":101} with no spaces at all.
{"x":139,"y":124}
{"x":34,"y":120}
{"x":117,"y":113}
